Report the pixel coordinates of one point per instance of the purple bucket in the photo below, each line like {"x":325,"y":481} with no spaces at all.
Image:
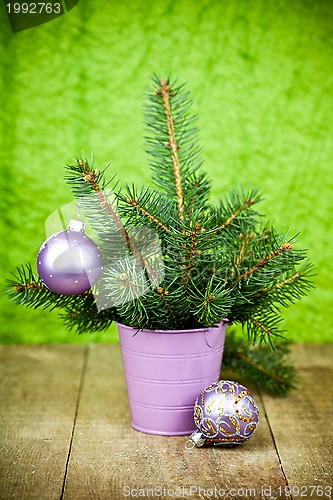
{"x":165,"y":371}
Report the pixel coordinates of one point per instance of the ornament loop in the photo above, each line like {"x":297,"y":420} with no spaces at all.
{"x":196,"y":440}
{"x":189,"y":445}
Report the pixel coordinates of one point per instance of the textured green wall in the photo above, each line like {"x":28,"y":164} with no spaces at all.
{"x":261,"y":74}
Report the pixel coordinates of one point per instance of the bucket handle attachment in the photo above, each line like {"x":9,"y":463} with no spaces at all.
{"x":212,"y":334}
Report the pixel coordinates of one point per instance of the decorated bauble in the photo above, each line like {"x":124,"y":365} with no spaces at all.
{"x":225,"y":413}
{"x":69,"y":263}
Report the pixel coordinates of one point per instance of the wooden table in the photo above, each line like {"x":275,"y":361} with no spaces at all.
{"x":66,"y":433}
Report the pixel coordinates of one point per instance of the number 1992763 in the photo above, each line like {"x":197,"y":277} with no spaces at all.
{"x":33,"y":8}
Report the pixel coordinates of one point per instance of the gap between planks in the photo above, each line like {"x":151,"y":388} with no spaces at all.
{"x":81,"y":383}
{"x":273,"y":440}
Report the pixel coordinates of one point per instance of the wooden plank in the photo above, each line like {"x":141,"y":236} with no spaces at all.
{"x":109,"y":458}
{"x":39,"y":388}
{"x":302,"y":424}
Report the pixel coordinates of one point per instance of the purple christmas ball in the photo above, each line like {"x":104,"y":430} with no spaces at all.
{"x":225,"y":414}
{"x":69,"y":263}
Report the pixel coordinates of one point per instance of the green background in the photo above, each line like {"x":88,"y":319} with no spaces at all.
{"x":261,"y":75}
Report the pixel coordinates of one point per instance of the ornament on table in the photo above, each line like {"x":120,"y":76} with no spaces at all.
{"x":225,"y":414}
{"x":69,"y":262}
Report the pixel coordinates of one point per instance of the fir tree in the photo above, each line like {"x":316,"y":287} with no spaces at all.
{"x":219,"y":261}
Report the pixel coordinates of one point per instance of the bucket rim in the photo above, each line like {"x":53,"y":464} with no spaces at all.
{"x":225,"y":322}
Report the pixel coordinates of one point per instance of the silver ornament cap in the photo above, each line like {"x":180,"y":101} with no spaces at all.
{"x":76,"y":225}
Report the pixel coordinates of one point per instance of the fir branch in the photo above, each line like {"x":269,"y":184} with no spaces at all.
{"x":245,"y":240}
{"x":134,"y":203}
{"x":260,"y":325}
{"x":245,"y":206}
{"x":195,"y":192}
{"x":27,"y":289}
{"x":293,"y":286}
{"x":91,"y":177}
{"x":269,"y":370}
{"x":283,"y":248}
{"x":100,"y":213}
{"x":88,"y":320}
{"x":163,"y":294}
{"x":186,"y":253}
{"x":24,"y":287}
{"x":173,"y":146}
{"x":194,"y":196}
{"x":189,"y":267}
{"x":236,"y":210}
{"x":147,"y":207}
{"x":260,"y":368}
{"x":287,"y":281}
{"x":211,"y":305}
{"x":263,"y":326}
{"x":165,"y":92}
{"x":125,"y":281}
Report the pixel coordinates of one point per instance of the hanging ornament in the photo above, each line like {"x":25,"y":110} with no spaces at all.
{"x":69,"y":263}
{"x":225,"y":413}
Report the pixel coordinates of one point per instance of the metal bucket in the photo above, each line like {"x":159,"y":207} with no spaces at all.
{"x":165,"y":371}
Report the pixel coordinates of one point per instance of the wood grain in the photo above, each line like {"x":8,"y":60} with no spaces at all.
{"x":66,"y":434}
{"x":302,"y":424}
{"x":108,"y":455}
{"x":38,"y":396}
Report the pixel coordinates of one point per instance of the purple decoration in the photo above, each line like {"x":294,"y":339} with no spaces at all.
{"x":69,"y":263}
{"x":225,"y":414}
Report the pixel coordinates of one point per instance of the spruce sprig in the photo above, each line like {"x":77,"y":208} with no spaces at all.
{"x":269,"y":370}
{"x":27,"y":289}
{"x":172,"y":142}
